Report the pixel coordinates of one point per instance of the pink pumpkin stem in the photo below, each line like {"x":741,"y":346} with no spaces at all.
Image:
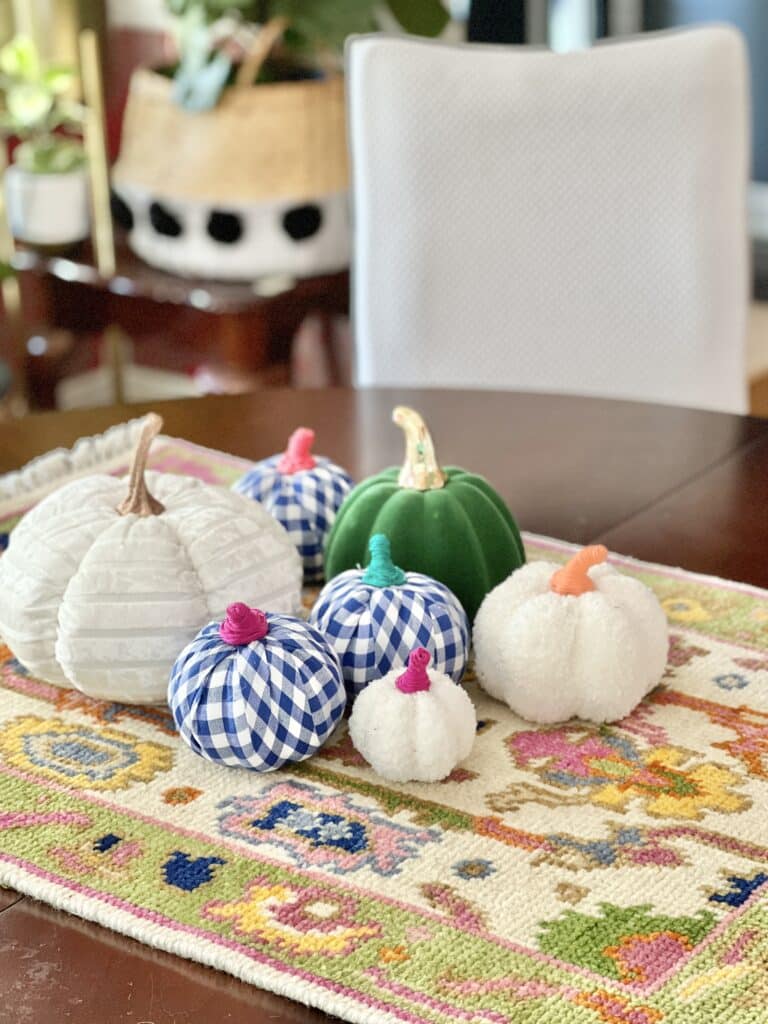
{"x":415,"y":678}
{"x":243,"y":625}
{"x":298,"y":454}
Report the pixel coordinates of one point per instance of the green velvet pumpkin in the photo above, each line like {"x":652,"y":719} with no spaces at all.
{"x":448,"y":524}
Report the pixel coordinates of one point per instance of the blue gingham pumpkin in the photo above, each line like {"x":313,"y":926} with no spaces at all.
{"x":256,"y":690}
{"x":375,"y":618}
{"x":303,"y":492}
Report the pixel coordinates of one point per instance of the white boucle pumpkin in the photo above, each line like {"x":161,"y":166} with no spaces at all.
{"x":413,"y":725}
{"x":579,"y":641}
{"x":101,"y":592}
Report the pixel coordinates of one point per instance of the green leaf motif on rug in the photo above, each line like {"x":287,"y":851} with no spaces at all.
{"x":623,"y":942}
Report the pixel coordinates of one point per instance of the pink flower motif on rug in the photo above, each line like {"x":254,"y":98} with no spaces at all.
{"x":321,"y":829}
{"x":300,"y":920}
{"x":606,"y":768}
{"x":645,"y":958}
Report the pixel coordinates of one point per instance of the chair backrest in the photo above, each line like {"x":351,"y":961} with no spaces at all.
{"x":553,"y":222}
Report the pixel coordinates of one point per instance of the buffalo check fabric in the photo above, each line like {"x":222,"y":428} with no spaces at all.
{"x":374,"y":629}
{"x":261,"y":704}
{"x":305,"y":502}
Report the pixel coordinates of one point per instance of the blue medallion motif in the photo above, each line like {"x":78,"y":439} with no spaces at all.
{"x":319,"y":828}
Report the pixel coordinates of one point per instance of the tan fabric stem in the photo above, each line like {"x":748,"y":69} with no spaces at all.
{"x":421,"y":471}
{"x":139,"y":502}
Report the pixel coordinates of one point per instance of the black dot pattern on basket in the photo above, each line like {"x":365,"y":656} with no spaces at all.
{"x":302,"y":222}
{"x":122,"y":214}
{"x":225,"y":227}
{"x":163,"y":221}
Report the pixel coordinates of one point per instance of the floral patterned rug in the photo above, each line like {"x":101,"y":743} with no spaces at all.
{"x":567,"y":874}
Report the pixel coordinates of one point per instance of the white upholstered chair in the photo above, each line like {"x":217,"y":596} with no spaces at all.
{"x":554,"y":222}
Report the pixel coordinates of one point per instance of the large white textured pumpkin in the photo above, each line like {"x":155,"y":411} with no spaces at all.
{"x":580,"y":641}
{"x":413,"y":725}
{"x":101,"y":592}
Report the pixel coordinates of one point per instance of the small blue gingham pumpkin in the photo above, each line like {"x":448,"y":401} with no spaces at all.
{"x":303,"y":492}
{"x":256,"y":690}
{"x":375,"y":618}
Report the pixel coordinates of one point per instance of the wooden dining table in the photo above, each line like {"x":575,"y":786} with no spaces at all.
{"x":665,"y":484}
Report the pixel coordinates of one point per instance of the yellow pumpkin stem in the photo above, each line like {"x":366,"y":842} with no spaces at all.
{"x":573,"y":579}
{"x":421,"y":470}
{"x":139,"y":502}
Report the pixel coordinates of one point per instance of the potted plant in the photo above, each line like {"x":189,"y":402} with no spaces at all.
{"x":233,"y":164}
{"x":46,"y":187}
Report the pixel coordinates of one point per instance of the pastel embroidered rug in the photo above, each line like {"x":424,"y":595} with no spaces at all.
{"x":569,"y":874}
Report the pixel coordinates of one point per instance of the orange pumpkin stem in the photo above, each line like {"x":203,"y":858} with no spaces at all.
{"x":573,"y":579}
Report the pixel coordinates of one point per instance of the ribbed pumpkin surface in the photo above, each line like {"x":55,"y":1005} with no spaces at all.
{"x":104,"y":602}
{"x":461,"y":534}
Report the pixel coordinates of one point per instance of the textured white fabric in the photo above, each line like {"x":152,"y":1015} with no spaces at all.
{"x":551,"y":658}
{"x":555,"y":222}
{"x":94,"y":454}
{"x":413,"y":737}
{"x":104,"y":602}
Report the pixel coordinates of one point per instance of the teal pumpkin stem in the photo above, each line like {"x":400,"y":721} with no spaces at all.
{"x":382,"y":571}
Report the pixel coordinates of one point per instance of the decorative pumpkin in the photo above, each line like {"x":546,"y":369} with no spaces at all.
{"x":579,"y":641}
{"x":256,"y":690}
{"x":374,"y":617}
{"x":448,"y":524}
{"x":413,"y":726}
{"x":303,"y":492}
{"x":101,"y":591}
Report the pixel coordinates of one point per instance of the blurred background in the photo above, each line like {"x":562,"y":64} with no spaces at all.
{"x":141,"y":258}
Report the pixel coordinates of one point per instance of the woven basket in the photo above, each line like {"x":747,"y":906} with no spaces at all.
{"x":284,"y":140}
{"x":261,"y":153}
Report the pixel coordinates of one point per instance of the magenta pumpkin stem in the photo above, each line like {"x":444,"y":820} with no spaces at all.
{"x":415,"y":678}
{"x":298,"y":454}
{"x":243,"y":625}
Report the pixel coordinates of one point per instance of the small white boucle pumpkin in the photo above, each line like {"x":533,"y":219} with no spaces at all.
{"x":101,"y":592}
{"x":413,"y":725}
{"x":579,"y":641}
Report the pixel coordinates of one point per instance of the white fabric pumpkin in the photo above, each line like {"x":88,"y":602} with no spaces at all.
{"x":413,"y":725}
{"x":580,"y":641}
{"x":103,"y":596}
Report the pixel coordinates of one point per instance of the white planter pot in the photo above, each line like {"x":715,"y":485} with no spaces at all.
{"x":255,"y":187}
{"x":47,"y":209}
{"x":299,"y":238}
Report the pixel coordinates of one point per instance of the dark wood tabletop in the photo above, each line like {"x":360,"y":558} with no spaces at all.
{"x":670,"y":485}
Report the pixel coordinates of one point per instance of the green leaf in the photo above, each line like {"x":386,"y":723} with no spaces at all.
{"x":195,"y":43}
{"x":50,"y":154}
{"x":421,"y":17}
{"x":19,"y":59}
{"x":320,"y":25}
{"x":58,"y":78}
{"x":208,"y":10}
{"x":199,"y":88}
{"x":29,"y":104}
